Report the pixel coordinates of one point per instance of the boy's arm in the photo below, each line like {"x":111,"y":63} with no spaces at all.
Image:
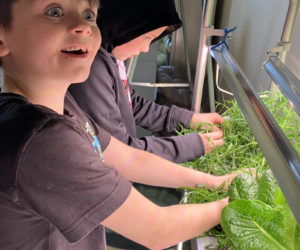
{"x":160,"y":227}
{"x":143,"y":167}
{"x":155,"y":117}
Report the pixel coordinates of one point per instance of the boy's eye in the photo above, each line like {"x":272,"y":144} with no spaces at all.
{"x":89,"y":15}
{"x":54,"y":12}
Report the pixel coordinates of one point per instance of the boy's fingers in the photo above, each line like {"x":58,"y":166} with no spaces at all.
{"x":218,"y":142}
{"x":214,"y":135}
{"x":216,"y":129}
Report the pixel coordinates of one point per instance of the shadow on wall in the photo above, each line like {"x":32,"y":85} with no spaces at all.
{"x":222,"y":16}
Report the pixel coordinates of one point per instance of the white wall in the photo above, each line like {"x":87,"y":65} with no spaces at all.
{"x":193,"y":15}
{"x":260,"y":24}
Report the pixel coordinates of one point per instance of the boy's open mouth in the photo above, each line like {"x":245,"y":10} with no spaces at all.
{"x":75,"y":50}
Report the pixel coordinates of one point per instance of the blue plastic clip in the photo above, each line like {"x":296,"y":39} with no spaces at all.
{"x":226,"y":32}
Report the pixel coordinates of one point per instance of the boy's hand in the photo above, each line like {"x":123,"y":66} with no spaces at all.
{"x":229,"y":177}
{"x":212,"y":140}
{"x":211,"y":118}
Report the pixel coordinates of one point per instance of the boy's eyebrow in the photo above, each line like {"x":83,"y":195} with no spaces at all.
{"x":92,"y":3}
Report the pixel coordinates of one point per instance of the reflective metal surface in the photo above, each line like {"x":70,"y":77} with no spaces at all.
{"x":287,"y":82}
{"x":208,"y":13}
{"x":286,"y":35}
{"x":160,"y":85}
{"x":289,"y":24}
{"x":185,"y":42}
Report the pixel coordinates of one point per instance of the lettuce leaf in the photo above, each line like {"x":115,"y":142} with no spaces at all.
{"x":256,"y":225}
{"x":243,"y":186}
{"x":267,"y":187}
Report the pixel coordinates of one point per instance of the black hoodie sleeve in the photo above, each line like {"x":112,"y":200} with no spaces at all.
{"x":162,"y":118}
{"x":103,"y":98}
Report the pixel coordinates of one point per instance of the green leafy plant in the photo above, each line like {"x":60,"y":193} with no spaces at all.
{"x":242,"y":151}
{"x":249,"y":190}
{"x":253,"y":222}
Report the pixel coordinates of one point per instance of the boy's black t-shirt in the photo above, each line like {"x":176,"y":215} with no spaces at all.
{"x":55,"y":188}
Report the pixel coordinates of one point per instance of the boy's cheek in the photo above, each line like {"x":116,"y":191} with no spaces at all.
{"x":97,"y":40}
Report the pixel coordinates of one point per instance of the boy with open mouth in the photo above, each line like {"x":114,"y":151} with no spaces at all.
{"x":62,"y":177}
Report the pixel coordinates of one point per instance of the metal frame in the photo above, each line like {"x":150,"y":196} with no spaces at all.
{"x":206,"y":32}
{"x":208,"y":13}
{"x":283,"y":160}
{"x":288,"y":176}
{"x":286,"y":36}
{"x":285,"y":80}
{"x":161,"y":85}
{"x":185,"y":42}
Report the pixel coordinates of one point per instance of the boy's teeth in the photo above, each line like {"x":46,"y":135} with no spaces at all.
{"x":75,"y":49}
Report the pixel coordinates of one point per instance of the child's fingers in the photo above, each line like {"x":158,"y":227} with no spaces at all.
{"x":251,"y":171}
{"x":214,"y":135}
{"x":211,"y":140}
{"x":217,"y":129}
{"x":218,"y":142}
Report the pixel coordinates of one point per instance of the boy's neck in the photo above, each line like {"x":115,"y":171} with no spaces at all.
{"x":51,"y":97}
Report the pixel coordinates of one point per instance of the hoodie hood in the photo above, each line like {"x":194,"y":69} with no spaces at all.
{"x":121,"y":21}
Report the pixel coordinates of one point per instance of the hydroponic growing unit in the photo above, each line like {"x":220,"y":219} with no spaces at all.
{"x":279,"y":153}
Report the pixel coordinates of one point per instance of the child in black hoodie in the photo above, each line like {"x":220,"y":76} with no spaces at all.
{"x":128,"y":28}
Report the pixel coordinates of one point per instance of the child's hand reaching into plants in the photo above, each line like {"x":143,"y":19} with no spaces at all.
{"x":227,"y":179}
{"x":212,"y":140}
{"x":210,"y":118}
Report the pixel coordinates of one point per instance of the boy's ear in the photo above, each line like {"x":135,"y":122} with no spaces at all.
{"x":3,"y":48}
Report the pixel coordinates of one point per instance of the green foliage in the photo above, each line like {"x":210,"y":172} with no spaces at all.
{"x":243,"y":186}
{"x":254,"y":225}
{"x":240,"y":147}
{"x":286,"y":117}
{"x":267,"y":187}
{"x":263,"y":221}
{"x":242,"y":151}
{"x":202,"y":194}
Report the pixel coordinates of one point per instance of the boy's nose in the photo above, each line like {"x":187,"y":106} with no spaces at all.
{"x":81,"y":27}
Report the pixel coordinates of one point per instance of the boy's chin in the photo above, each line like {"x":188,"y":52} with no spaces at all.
{"x":79,"y":77}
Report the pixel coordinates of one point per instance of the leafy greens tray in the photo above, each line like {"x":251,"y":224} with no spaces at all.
{"x":257,"y":216}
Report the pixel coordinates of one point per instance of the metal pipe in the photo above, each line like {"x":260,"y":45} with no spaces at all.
{"x":278,"y":151}
{"x":287,"y":33}
{"x":289,"y":25}
{"x":211,"y":89}
{"x":287,"y":82}
{"x":160,"y":85}
{"x":208,"y":13}
{"x":207,"y":20}
{"x":185,"y":42}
